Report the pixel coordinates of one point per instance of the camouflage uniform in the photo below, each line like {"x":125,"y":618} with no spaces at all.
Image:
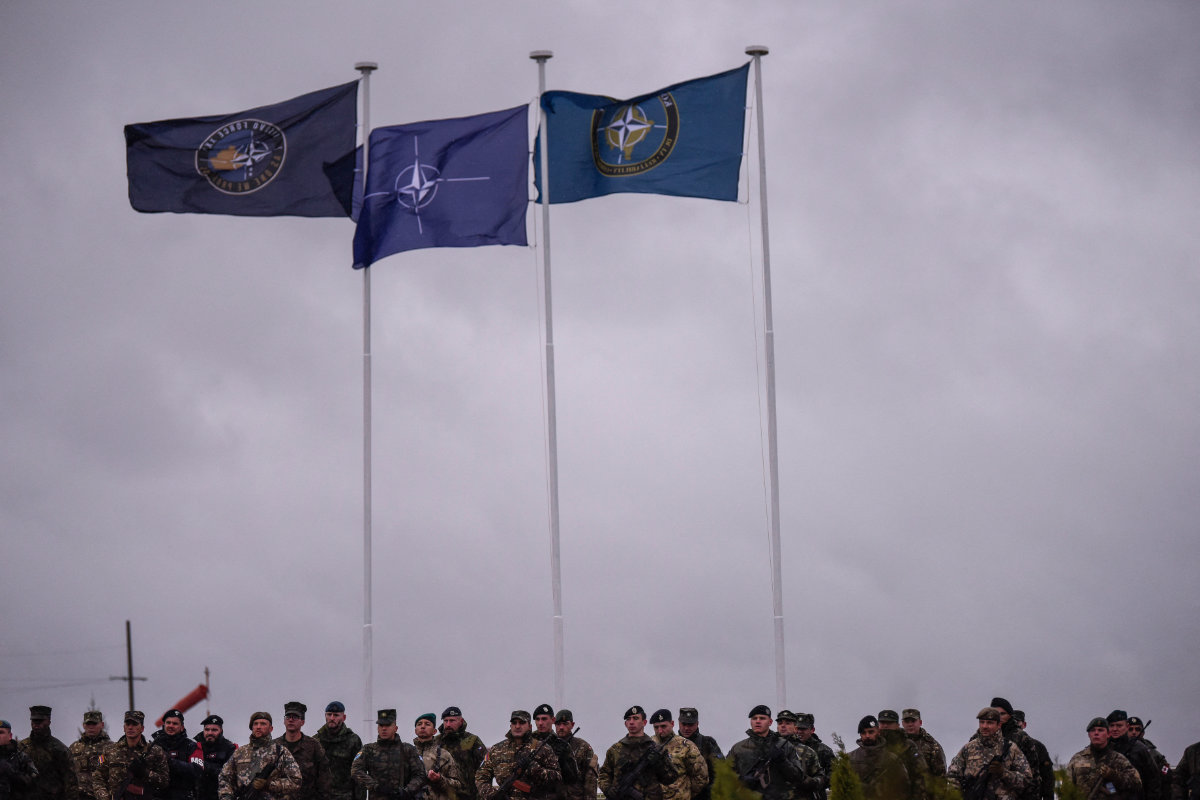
{"x":1186,"y":785}
{"x":969,"y":768}
{"x":786,"y":777}
{"x":903,"y":748}
{"x":468,"y":751}
{"x":116,"y":770}
{"x":249,"y":760}
{"x":881,"y":773}
{"x":1043,"y":768}
{"x":588,"y":767}
{"x":1087,"y":770}
{"x":309,"y":756}
{"x":389,"y":768}
{"x":341,"y":746}
{"x":438,"y":759}
{"x":85,"y":758}
{"x":56,"y":773}
{"x":1011,"y":730}
{"x":17,"y":772}
{"x":818,"y":778}
{"x":711,"y":751}
{"x":690,"y":766}
{"x":931,"y":752}
{"x":542,"y":775}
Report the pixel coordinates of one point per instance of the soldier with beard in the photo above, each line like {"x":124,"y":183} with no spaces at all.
{"x":441,"y":770}
{"x":881,"y":773}
{"x":1012,"y":732}
{"x":17,"y":771}
{"x":467,"y":748}
{"x":1137,"y":753}
{"x":216,"y":750}
{"x":86,"y":751}
{"x":582,"y":754}
{"x":185,"y":758}
{"x":899,"y":745}
{"x":388,"y":767}
{"x":309,"y":755}
{"x":519,"y":756}
{"x":1100,"y":771}
{"x":989,"y":766}
{"x":56,"y":775}
{"x":341,"y":745}
{"x":130,"y":769}
{"x":263,"y":764}
{"x":689,"y":728}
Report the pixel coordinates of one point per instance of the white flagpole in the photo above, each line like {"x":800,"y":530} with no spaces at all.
{"x":541,"y":57}
{"x":757,"y":51}
{"x":366,"y":68}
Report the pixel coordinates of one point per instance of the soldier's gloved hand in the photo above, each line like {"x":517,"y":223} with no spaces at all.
{"x":995,"y":769}
{"x":139,"y":771}
{"x":6,"y":768}
{"x":1107,"y":773}
{"x":259,"y":784}
{"x":654,"y":757}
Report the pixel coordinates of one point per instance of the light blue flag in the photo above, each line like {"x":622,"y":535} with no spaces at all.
{"x":684,"y":140}
{"x":445,"y":183}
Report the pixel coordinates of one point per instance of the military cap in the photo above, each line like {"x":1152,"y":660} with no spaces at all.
{"x":689,"y":716}
{"x":519,"y":716}
{"x":867,"y":722}
{"x":1018,"y":715}
{"x":988,"y":713}
{"x":1117,"y":715}
{"x":910,"y":713}
{"x":39,"y":712}
{"x":5,"y":724}
{"x":785,"y":716}
{"x":430,"y":716}
{"x":629,"y":712}
{"x":452,"y":711}
{"x":295,"y":707}
{"x":1137,"y":721}
{"x":173,"y":713}
{"x":335,"y":706}
{"x":1000,"y":702}
{"x":257,"y":715}
{"x":544,"y":710}
{"x":564,"y":715}
{"x":385,"y":716}
{"x":92,"y":716}
{"x":805,"y":721}
{"x":760,"y":711}
{"x":662,"y":715}
{"x":888,"y":715}
{"x":136,"y":717}
{"x":213,"y":719}
{"x":1097,"y":722}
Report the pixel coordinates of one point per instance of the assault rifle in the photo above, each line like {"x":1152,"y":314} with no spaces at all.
{"x":654,"y":756}
{"x":248,"y":792}
{"x":761,"y":769}
{"x":517,"y":779}
{"x":135,"y":773}
{"x":976,"y":788}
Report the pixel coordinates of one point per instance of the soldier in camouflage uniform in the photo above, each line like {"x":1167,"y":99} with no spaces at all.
{"x":467,"y":748}
{"x":388,"y":768}
{"x":534,"y":769}
{"x":341,"y":745}
{"x":635,"y":763}
{"x":899,"y":745}
{"x":582,"y":754}
{"x":56,"y":774}
{"x":806,"y":730}
{"x":690,"y":766}
{"x":17,"y":771}
{"x":262,"y":763}
{"x":767,"y":763}
{"x":129,"y":768}
{"x":86,"y":751}
{"x":689,"y":728}
{"x":930,"y":750}
{"x":1100,"y":771}
{"x":1011,"y":731}
{"x":543,"y":730}
{"x":881,"y":772}
{"x":308,"y":753}
{"x":441,"y":770}
{"x":1166,"y":776}
{"x":1186,"y":785}
{"x":1044,"y":766}
{"x":989,"y":766}
{"x":785,"y":724}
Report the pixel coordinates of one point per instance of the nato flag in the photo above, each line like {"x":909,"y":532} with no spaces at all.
{"x":445,"y":183}
{"x":295,"y":158}
{"x":684,"y":140}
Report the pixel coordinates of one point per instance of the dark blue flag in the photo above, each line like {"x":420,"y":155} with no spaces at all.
{"x":684,"y":140}
{"x":295,"y":158}
{"x":445,"y":183}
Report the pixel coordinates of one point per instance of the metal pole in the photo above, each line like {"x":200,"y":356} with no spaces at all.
{"x":129,"y":662}
{"x":758,"y":51}
{"x":366,"y":68}
{"x":541,"y":57}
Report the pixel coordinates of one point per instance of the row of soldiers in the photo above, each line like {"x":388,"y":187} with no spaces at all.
{"x":543,"y":758}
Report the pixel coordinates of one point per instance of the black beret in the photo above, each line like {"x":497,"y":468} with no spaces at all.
{"x":213,"y":719}
{"x":662,"y":715}
{"x":867,"y":722}
{"x":629,"y":712}
{"x":544,"y":710}
{"x":1117,"y":715}
{"x":760,"y":710}
{"x":1000,"y":702}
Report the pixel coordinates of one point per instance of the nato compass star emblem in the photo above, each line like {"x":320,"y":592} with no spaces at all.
{"x":416,"y":185}
{"x":631,"y":138}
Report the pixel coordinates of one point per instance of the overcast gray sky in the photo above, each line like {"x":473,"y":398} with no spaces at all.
{"x":985,"y":253}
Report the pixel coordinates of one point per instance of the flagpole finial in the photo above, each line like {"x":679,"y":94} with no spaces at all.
{"x":541,"y":55}
{"x":757,"y":50}
{"x":366,"y":66}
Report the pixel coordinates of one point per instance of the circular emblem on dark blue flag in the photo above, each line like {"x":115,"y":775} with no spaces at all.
{"x":631,"y":138}
{"x":242,"y":157}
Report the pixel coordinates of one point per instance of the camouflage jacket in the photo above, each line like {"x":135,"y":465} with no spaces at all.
{"x":969,"y":771}
{"x":116,"y":768}
{"x":341,"y":746}
{"x":541,"y":777}
{"x":250,"y":760}
{"x":314,"y":767}
{"x":85,"y":758}
{"x":774,"y":766}
{"x":20,"y":773}
{"x":1013,"y":732}
{"x":931,"y":752}
{"x":588,"y":768}
{"x":468,"y":751}
{"x":388,"y":767}
{"x":881,"y":773}
{"x":690,"y":766}
{"x":905,"y":749}
{"x":711,"y":751}
{"x":1104,"y":774}
{"x":1186,"y":783}
{"x":436,"y":758}
{"x":56,"y":774}
{"x":1139,"y":755}
{"x":622,"y":760}
{"x":825,"y":755}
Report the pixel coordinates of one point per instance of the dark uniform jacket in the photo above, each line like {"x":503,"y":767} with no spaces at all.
{"x":1139,"y":755}
{"x":882,"y":774}
{"x":185,"y":764}
{"x":1186,"y":785}
{"x":56,"y":775}
{"x":314,"y":768}
{"x":341,"y":746}
{"x":781,"y":778}
{"x":215,"y":755}
{"x":17,"y":772}
{"x":389,"y":768}
{"x":468,"y":751}
{"x":712,"y":753}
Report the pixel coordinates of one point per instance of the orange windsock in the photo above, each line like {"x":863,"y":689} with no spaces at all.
{"x":187,"y":701}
